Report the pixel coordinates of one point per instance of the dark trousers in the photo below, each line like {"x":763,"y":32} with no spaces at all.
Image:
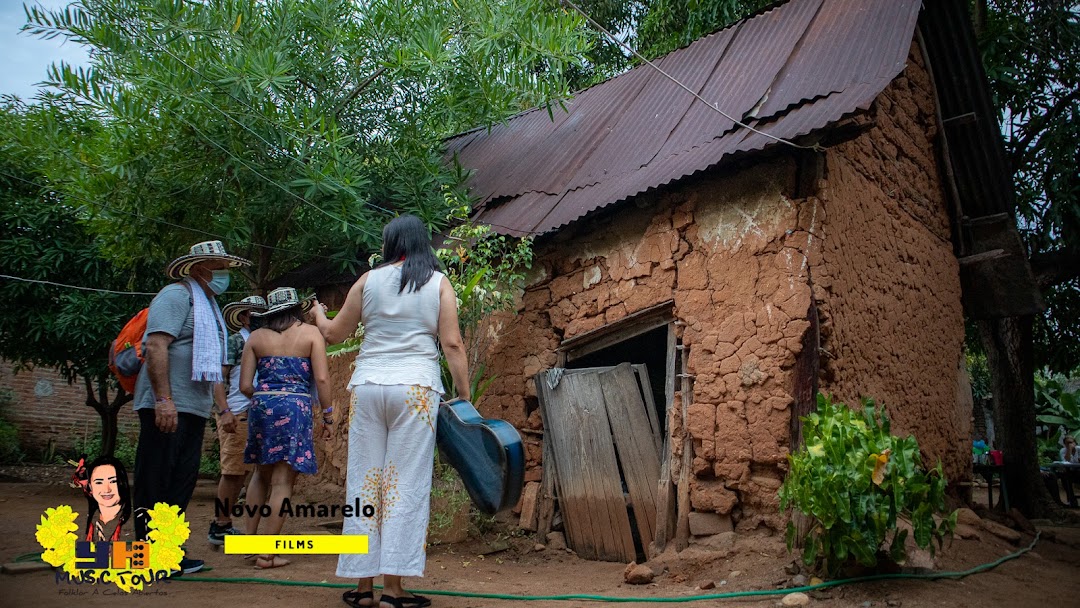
{"x":166,"y":465}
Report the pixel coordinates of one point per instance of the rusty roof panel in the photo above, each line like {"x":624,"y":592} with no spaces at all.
{"x":795,"y":68}
{"x":762,"y":47}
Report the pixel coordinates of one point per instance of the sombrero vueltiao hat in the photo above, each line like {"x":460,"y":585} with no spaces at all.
{"x":232,"y":311}
{"x":202,"y":252}
{"x":284,"y":298}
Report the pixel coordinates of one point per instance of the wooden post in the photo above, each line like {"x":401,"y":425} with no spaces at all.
{"x":682,"y":526}
{"x":546,"y":509}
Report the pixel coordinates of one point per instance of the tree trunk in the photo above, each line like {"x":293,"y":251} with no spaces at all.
{"x":106,"y":411}
{"x":1009,"y":353}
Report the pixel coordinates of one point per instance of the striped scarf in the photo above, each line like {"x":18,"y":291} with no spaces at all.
{"x":208,"y":344}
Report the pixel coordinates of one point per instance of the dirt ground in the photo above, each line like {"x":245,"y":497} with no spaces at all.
{"x":1046,"y":576}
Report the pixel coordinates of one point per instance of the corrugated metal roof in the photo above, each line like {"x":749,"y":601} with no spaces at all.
{"x":804,"y":65}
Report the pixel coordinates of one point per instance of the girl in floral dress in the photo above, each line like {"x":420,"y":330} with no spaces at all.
{"x":289,"y":356}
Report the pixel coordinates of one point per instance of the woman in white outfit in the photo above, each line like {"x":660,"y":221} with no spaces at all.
{"x":408,"y":309}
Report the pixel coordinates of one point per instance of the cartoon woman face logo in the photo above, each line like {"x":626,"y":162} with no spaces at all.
{"x":108,"y":499}
{"x":103,"y":488}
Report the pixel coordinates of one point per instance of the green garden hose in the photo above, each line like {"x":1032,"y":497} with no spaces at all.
{"x":607,"y":598}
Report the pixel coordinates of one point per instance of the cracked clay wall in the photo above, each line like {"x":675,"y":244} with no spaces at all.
{"x":737,"y":252}
{"x":892,"y":323}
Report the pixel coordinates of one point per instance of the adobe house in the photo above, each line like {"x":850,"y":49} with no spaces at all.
{"x":697,"y":281}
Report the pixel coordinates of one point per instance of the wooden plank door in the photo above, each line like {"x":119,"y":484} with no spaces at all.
{"x":590,"y":415}
{"x":589,"y":488}
{"x":635,"y":443}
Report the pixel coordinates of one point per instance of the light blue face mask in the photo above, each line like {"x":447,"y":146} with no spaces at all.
{"x":220,"y":282}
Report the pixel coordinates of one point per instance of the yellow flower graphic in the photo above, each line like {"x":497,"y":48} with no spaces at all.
{"x":419,"y":403}
{"x":168,"y":532}
{"x":380,"y":490}
{"x":56,"y":534}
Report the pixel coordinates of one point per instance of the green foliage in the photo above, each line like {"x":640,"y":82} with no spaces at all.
{"x":89,"y":446}
{"x":979,"y":375}
{"x":1055,"y":403}
{"x":671,"y":24}
{"x":299,"y":126}
{"x":11,"y":451}
{"x":486,"y":270}
{"x":1031,"y":52}
{"x":1057,"y":408}
{"x":210,"y":465}
{"x":450,"y":498}
{"x":855,"y":480}
{"x":1049,"y":446}
{"x":45,"y":239}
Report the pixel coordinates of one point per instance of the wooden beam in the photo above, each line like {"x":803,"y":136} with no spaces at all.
{"x":682,"y":525}
{"x":628,"y":327}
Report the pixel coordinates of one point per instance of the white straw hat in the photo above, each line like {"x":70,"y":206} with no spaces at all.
{"x":284,"y":298}
{"x":232,"y":311}
{"x":201,"y":252}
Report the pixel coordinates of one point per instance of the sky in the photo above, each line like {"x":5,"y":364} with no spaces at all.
{"x":26,"y":58}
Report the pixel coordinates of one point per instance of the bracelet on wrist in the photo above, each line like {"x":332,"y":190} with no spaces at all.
{"x":162,"y":399}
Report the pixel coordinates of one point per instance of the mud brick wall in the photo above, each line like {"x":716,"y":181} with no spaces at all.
{"x":743,"y":260}
{"x":46,"y":407}
{"x":724,"y":248}
{"x":331,"y":457}
{"x":892,"y":322}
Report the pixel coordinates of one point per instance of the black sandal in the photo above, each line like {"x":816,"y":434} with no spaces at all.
{"x":416,"y":601}
{"x":354,"y":597}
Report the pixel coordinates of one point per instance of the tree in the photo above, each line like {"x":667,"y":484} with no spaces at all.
{"x":1031,"y":51}
{"x":45,"y":240}
{"x":671,"y":24}
{"x":291,"y":129}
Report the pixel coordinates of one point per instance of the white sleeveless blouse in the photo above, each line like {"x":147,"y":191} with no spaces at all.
{"x":400,"y":332}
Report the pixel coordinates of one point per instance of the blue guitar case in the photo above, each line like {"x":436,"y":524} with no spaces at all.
{"x":487,"y":454}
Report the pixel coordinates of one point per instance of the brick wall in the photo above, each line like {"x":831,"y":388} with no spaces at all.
{"x":46,"y":407}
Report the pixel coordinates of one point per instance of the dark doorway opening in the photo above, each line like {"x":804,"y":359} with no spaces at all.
{"x":649,"y":348}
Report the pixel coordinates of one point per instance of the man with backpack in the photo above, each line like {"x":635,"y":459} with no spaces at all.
{"x":184,"y":349}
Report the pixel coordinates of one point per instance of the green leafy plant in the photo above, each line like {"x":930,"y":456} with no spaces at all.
{"x":1055,"y":404}
{"x":449,"y":501}
{"x":1049,"y":446}
{"x":855,"y":480}
{"x":979,"y":375}
{"x":1057,"y":410}
{"x":11,"y":451}
{"x":486,"y":269}
{"x":89,"y":446}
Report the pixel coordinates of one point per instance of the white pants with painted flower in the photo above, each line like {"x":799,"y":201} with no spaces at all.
{"x":391,"y":454}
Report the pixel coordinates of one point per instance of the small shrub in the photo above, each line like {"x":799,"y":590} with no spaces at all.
{"x":449,"y":500}
{"x":210,"y":465}
{"x":90,"y":447}
{"x":855,"y":480}
{"x":10,"y":449}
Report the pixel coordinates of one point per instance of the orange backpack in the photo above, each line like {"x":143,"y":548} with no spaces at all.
{"x":125,"y":352}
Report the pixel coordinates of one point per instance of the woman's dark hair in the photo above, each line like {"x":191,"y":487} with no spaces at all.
{"x":121,"y":488}
{"x":407,"y":237}
{"x":280,"y":321}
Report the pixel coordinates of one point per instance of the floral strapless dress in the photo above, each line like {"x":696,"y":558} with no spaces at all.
{"x":279,"y":419}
